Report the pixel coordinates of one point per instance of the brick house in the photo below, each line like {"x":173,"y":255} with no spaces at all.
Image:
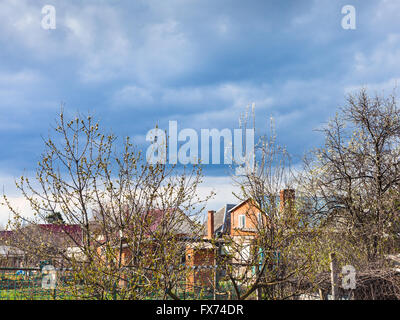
{"x":56,"y":237}
{"x":10,"y":256}
{"x":201,"y":256}
{"x":247,"y":219}
{"x":236,"y":222}
{"x":200,"y":261}
{"x":155,"y":223}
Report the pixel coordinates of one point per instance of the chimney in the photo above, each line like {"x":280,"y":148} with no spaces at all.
{"x":210,"y":224}
{"x":286,"y":197}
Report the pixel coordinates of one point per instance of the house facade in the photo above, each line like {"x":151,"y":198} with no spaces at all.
{"x":231,"y":226}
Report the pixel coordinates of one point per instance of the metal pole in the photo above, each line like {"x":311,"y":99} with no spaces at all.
{"x":215,"y":273}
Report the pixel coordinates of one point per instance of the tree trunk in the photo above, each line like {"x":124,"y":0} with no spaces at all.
{"x":334,"y":277}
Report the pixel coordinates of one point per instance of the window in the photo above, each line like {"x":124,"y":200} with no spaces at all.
{"x":242,"y":221}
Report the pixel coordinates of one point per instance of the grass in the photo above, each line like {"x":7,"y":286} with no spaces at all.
{"x":26,"y":294}
{"x":17,"y":288}
{"x":20,"y":287}
{"x":35,"y":294}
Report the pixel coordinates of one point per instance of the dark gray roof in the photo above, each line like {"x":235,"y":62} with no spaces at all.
{"x":222,"y":220}
{"x":219,"y":219}
{"x":227,"y":218}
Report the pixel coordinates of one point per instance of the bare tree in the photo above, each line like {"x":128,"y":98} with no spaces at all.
{"x":267,"y":255}
{"x":355,"y":177}
{"x":352,"y":183}
{"x":130,"y":214}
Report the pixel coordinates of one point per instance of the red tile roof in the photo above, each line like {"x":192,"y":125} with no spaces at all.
{"x":4,"y":235}
{"x":73,"y":230}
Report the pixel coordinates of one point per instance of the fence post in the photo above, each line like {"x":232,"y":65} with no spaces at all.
{"x":321,"y":294}
{"x":334,"y":276}
{"x":216,"y":261}
{"x":115,"y":291}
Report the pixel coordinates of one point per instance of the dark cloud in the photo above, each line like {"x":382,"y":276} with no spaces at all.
{"x":138,"y":63}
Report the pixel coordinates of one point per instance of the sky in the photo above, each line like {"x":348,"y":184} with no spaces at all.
{"x":138,"y":63}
